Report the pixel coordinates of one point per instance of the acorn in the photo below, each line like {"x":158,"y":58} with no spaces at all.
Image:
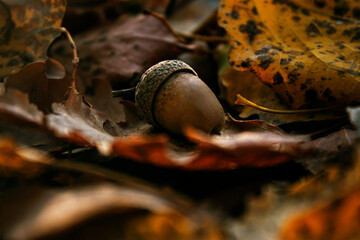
{"x":170,"y":95}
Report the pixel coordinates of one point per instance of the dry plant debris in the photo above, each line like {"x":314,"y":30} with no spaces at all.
{"x":96,"y":170}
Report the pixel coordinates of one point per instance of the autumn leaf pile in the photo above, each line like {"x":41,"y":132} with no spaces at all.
{"x":77,"y":162}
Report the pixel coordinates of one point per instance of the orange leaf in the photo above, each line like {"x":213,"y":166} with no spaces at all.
{"x":336,"y":220}
{"x":306,"y":51}
{"x":27,"y":29}
{"x":18,"y":162}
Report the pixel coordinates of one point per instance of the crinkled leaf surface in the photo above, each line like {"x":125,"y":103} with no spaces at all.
{"x":26,"y":30}
{"x":307,"y":51}
{"x":122,"y":51}
{"x":79,"y":122}
{"x":258,"y":146}
{"x":76,"y":120}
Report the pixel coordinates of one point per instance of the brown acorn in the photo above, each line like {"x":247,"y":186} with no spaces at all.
{"x":170,"y":95}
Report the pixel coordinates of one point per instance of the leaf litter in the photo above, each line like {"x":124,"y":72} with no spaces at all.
{"x":89,"y":117}
{"x":125,"y":49}
{"x":66,"y":211}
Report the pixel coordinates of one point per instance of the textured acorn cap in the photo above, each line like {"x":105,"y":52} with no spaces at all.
{"x":150,"y":82}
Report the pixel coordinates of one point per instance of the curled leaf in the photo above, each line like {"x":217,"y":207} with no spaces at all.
{"x":100,"y":209}
{"x":16,"y":108}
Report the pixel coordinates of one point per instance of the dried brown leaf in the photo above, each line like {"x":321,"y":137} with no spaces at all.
{"x":122,"y":51}
{"x":334,"y":148}
{"x":133,"y":214}
{"x":16,"y":108}
{"x":102,"y":100}
{"x":44,"y":82}
{"x":27,"y":29}
{"x":77,"y":121}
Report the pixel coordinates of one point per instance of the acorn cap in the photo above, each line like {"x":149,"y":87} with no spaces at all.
{"x":150,"y":82}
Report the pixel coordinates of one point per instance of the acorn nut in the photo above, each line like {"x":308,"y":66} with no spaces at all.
{"x":170,"y":95}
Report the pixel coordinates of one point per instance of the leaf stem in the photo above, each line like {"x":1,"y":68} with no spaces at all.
{"x":245,"y":102}
{"x":76,"y":59}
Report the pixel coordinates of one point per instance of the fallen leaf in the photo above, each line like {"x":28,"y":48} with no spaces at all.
{"x":354,"y":113}
{"x":20,"y":163}
{"x":335,"y":220}
{"x":27,"y":29}
{"x":246,"y":84}
{"x":35,"y":210}
{"x":229,"y":151}
{"x":123,"y":50}
{"x":83,"y":15}
{"x":102,"y":100}
{"x":54,"y":69}
{"x":118,"y":211}
{"x":334,"y":148}
{"x":16,"y":108}
{"x":189,"y":17}
{"x":315,"y":207}
{"x":77,"y":121}
{"x":44,"y":82}
{"x":307,"y":52}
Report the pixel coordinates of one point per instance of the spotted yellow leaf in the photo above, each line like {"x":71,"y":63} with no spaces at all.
{"x":308,"y":51}
{"x":27,"y":27}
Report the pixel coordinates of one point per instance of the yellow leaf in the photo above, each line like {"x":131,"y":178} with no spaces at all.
{"x":26,"y":30}
{"x":307,"y":51}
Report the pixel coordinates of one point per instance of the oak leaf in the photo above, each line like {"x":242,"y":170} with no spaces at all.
{"x":307,"y":51}
{"x":44,"y":82}
{"x":260,"y":144}
{"x":26,"y":30}
{"x":122,"y":51}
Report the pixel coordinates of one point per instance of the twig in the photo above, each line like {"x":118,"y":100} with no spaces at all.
{"x":76,"y":59}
